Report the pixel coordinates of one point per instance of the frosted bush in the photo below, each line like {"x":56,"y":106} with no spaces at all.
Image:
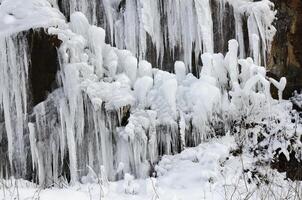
{"x":130,"y":187}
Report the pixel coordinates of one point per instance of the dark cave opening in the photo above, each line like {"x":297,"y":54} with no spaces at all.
{"x":44,"y":64}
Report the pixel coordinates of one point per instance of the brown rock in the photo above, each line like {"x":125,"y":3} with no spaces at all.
{"x":286,"y":55}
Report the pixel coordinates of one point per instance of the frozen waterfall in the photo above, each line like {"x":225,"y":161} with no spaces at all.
{"x":112,"y":111}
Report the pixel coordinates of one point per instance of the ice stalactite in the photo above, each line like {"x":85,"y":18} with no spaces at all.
{"x":14,"y":97}
{"x":160,"y":30}
{"x":258,"y":18}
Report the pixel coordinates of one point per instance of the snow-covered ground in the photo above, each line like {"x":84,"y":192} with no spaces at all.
{"x":208,"y":171}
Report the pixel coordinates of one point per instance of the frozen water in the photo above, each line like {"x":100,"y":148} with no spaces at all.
{"x":112,"y":112}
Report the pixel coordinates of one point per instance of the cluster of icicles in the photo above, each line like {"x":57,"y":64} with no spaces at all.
{"x":177,"y":25}
{"x":115,"y":114}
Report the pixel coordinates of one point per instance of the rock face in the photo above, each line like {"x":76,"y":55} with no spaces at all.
{"x":286,"y":53}
{"x":286,"y":60}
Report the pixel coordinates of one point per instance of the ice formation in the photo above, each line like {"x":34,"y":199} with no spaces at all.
{"x":112,"y":112}
{"x":25,"y":14}
{"x":187,"y":26}
{"x":13,"y":93}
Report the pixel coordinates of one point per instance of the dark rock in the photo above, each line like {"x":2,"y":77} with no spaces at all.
{"x":43,"y":65}
{"x":293,"y":167}
{"x":286,"y":54}
{"x":226,"y":23}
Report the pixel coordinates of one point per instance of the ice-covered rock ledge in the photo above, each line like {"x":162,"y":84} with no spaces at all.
{"x":21,"y":15}
{"x":28,"y":55}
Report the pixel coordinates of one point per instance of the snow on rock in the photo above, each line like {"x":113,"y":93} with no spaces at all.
{"x":20,"y":15}
{"x":116,"y":95}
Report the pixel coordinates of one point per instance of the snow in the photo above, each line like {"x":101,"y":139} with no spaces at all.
{"x":25,"y":14}
{"x":141,"y":89}
{"x":79,"y":24}
{"x":144,"y":68}
{"x":130,"y":68}
{"x":208,"y":171}
{"x":231,"y":61}
{"x":180,"y":70}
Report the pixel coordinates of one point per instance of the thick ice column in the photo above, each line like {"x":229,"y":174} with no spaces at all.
{"x":231,"y":61}
{"x":254,"y":23}
{"x":13,"y":96}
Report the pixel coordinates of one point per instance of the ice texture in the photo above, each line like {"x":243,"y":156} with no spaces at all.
{"x":187,"y":26}
{"x":112,"y":112}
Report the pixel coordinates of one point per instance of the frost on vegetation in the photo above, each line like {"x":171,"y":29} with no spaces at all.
{"x":111,"y":108}
{"x":297,"y":99}
{"x":130,"y":187}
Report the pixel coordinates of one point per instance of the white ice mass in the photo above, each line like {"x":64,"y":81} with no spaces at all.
{"x":115,"y":114}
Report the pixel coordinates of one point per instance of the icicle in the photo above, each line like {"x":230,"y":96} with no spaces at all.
{"x":13,"y":96}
